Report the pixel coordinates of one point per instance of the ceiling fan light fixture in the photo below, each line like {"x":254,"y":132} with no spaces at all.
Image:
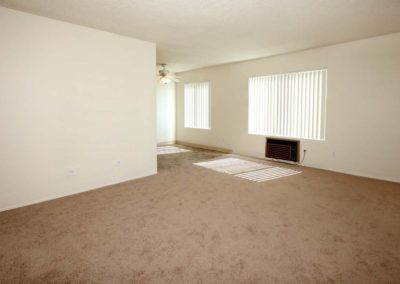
{"x":166,"y":77}
{"x":165,"y":80}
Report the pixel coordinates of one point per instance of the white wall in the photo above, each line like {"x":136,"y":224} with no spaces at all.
{"x":363,"y":111}
{"x":77,"y":108}
{"x":166,"y":122}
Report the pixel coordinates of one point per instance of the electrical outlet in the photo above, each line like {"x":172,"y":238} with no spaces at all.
{"x":334,"y":154}
{"x":118,"y":164}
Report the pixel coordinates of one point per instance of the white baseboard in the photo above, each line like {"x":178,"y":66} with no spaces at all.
{"x":318,"y":168}
{"x":166,"y":143}
{"x":56,"y":196}
{"x":357,"y":174}
{"x":206,"y":147}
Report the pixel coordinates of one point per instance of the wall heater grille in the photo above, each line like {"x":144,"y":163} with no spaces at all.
{"x":287,"y":150}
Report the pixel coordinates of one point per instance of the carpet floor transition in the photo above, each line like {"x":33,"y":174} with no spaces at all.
{"x":189,"y":224}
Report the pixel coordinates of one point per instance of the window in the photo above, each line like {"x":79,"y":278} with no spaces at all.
{"x":288,"y":105}
{"x":197,"y":105}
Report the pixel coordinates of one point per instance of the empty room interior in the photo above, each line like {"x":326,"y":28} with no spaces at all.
{"x":200,"y":141}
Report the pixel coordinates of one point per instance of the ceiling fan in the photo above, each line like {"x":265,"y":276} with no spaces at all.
{"x":165,"y":76}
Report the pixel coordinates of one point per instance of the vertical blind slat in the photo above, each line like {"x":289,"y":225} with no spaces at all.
{"x":288,"y":105}
{"x":196,"y":104}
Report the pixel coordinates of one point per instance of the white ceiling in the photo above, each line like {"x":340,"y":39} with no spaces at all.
{"x":195,"y":33}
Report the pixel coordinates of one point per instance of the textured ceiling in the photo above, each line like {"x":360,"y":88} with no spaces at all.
{"x":191,"y":34}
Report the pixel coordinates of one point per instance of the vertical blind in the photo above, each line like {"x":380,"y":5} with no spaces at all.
{"x":197,"y":105}
{"x":288,"y":105}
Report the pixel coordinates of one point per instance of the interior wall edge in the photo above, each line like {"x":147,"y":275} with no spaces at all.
{"x":206,"y":147}
{"x":319,"y":168}
{"x":66,"y":194}
{"x":166,"y":143}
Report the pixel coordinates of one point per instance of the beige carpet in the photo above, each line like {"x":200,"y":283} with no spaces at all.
{"x":193,"y":225}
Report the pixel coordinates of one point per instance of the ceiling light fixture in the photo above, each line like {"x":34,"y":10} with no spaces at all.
{"x":166,"y":77}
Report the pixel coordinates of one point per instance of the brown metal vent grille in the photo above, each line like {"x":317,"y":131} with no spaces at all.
{"x":282,"y":149}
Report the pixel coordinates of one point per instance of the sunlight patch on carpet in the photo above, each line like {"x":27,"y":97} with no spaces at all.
{"x":162,"y":150}
{"x":246,"y":169}
{"x":231,"y":165}
{"x":267,"y":174}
